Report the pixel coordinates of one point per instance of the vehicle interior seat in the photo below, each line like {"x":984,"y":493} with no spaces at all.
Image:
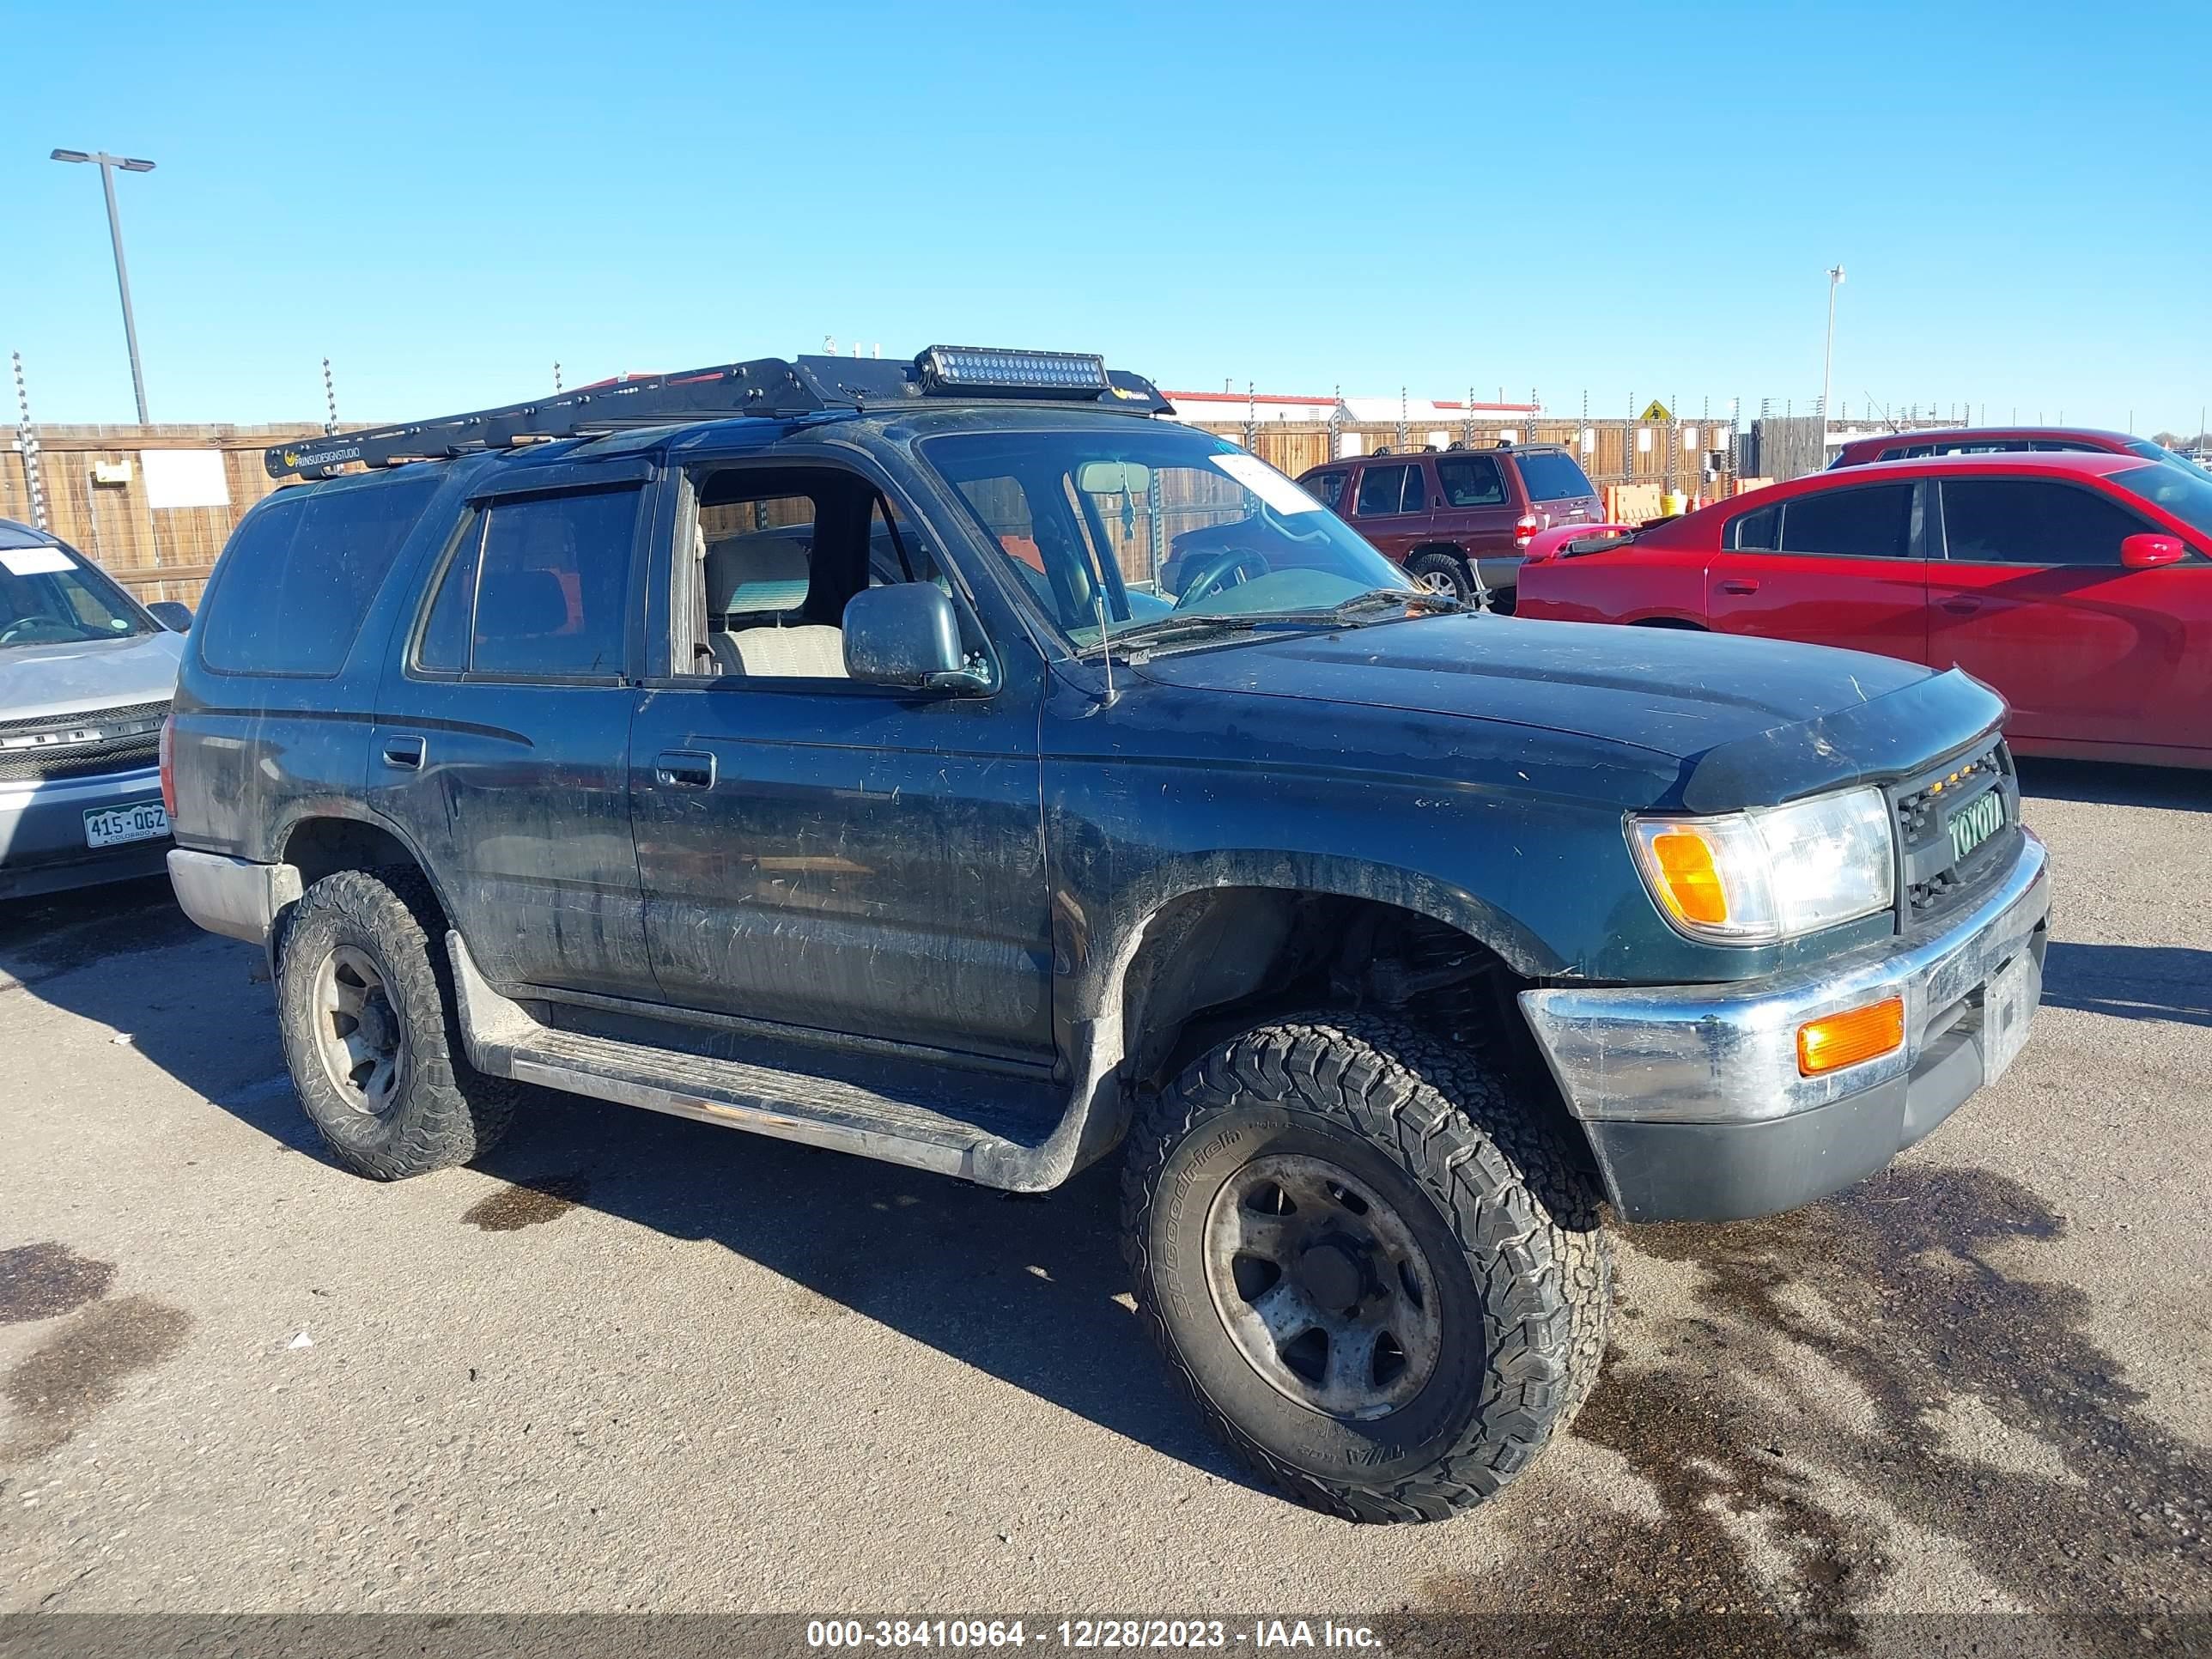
{"x":756,"y":638}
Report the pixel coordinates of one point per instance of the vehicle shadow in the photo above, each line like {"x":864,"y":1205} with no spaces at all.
{"x":1031,"y":1291}
{"x":2130,"y":981}
{"x":2104,"y":783}
{"x":55,"y":931}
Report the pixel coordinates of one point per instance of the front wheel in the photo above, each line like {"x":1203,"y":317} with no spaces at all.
{"x":1379,"y":1277}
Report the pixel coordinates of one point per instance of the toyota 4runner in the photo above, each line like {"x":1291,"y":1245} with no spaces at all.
{"x":808,"y":747}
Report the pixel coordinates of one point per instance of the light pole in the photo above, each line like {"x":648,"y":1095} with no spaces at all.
{"x":1828,"y":358}
{"x":107,"y":164}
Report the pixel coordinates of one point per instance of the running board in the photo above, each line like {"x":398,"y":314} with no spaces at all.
{"x":947,"y":1131}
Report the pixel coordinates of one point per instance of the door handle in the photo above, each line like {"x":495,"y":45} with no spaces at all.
{"x":684,"y":768}
{"x":1739,"y":587}
{"x":1961,"y":606}
{"x":404,"y":752}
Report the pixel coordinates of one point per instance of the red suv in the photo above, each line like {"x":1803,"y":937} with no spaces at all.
{"x":1451,"y":515}
{"x":2078,"y":584}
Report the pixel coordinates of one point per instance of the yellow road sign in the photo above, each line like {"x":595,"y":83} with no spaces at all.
{"x":1654,"y":410}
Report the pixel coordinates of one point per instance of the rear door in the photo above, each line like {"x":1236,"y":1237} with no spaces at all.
{"x":502,"y":732}
{"x":1839,"y":566}
{"x":2032,"y":597}
{"x":1391,"y":504}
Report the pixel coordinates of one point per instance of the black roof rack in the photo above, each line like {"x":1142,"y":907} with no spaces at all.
{"x":766,"y":386}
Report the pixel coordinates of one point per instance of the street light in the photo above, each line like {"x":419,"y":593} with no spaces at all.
{"x":1828,"y":358}
{"x":107,"y":164}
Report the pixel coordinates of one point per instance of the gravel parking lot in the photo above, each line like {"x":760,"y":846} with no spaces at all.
{"x":641,"y":1363}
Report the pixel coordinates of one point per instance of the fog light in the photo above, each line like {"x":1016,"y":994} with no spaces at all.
{"x":1830,"y":1043}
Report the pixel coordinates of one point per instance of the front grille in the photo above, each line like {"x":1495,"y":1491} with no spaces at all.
{"x":81,"y":746}
{"x":1931,"y":880}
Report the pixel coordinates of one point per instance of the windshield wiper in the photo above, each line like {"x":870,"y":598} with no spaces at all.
{"x":1347,"y":614}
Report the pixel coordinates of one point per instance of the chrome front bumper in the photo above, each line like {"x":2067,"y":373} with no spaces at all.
{"x":1692,"y":1096}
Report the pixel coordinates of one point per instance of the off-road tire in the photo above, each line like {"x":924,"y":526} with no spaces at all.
{"x":1510,"y":1228}
{"x":1450,"y":566}
{"x":444,"y":1112}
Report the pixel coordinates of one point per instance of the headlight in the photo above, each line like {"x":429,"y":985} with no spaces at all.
{"x":1772,"y":874}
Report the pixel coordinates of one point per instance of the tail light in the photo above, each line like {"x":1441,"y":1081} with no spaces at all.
{"x":169,"y":766}
{"x":1524,"y":528}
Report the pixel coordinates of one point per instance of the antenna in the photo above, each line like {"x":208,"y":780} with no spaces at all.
{"x":1105,"y":646}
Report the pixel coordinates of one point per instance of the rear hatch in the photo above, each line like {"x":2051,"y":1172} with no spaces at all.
{"x":1560,"y":491}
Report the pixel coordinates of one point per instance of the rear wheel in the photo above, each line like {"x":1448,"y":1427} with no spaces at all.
{"x":1442,"y":572}
{"x":1374,"y":1272}
{"x":365,"y":1004}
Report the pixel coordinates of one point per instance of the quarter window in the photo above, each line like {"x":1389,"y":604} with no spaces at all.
{"x":1471,"y":481}
{"x":300,"y":572}
{"x":1873,"y":523}
{"x":1755,"y":531}
{"x":2031,"y":521}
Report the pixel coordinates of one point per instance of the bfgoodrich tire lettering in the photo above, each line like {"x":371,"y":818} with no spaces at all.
{"x":1508,"y":1231}
{"x":357,"y":959}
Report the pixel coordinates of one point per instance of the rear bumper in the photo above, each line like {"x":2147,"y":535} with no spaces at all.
{"x":236,"y":898}
{"x":42,"y":846}
{"x":1692,"y":1096}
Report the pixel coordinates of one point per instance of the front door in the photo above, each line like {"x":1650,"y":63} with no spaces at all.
{"x":501,"y":738}
{"x":1833,"y":566}
{"x":820,"y":853}
{"x":2033,"y":599}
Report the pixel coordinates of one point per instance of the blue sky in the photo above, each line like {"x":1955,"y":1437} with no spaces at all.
{"x":1625,"y":201}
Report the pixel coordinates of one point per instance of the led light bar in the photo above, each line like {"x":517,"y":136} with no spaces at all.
{"x":1036,"y":374}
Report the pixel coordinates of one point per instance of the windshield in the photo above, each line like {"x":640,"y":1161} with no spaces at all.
{"x":2183,"y":490}
{"x":2151,"y":452}
{"x":48,"y":598}
{"x":1149,"y":522}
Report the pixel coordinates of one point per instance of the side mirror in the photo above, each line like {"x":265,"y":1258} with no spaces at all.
{"x":178,"y":617}
{"x":906,"y":635}
{"x":2148,"y":551}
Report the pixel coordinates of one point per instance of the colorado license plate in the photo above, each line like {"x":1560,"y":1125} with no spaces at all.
{"x":2007,"y":1005}
{"x":110,"y":826}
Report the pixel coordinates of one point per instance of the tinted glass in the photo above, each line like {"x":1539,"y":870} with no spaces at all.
{"x":297,"y":576}
{"x":1552,"y":478}
{"x":553,"y":596}
{"x":2182,"y":489}
{"x":446,"y":634}
{"x":1471,"y":481}
{"x":1416,"y":495}
{"x":1379,"y":487}
{"x":1873,"y":523}
{"x":1755,"y":531}
{"x":1328,"y":486}
{"x":2032,"y":521}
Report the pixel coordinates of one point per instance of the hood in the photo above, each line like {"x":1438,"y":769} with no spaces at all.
{"x":40,"y":680}
{"x":1745,"y":722}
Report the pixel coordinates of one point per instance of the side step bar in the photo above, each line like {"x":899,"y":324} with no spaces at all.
{"x":927,"y":1131}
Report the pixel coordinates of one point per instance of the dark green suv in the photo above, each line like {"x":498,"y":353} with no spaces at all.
{"x":810,"y":747}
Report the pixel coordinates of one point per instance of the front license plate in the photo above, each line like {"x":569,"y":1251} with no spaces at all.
{"x":2007,"y":1005}
{"x":110,"y":826}
{"x":1975,"y":822}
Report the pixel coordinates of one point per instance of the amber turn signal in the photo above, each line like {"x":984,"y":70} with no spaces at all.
{"x":1689,"y":881}
{"x":1830,"y":1043}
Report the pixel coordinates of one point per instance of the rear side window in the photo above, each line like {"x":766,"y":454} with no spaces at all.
{"x":1753,"y":531}
{"x":1552,"y":477}
{"x":1873,"y":523}
{"x":1472,"y":481}
{"x":2030,"y":522}
{"x":1382,"y":488}
{"x":300,"y":573}
{"x":537,"y":588}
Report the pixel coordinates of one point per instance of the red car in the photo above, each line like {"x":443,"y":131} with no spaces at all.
{"x":1997,"y":440}
{"x":2078,"y":584}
